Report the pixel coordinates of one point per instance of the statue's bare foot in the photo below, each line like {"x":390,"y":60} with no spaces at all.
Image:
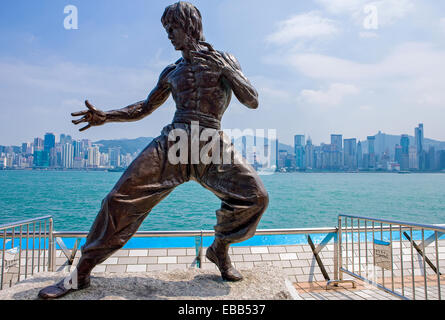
{"x":59,"y":289}
{"x":222,"y":261}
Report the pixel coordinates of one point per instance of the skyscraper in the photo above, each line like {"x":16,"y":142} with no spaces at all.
{"x":336,"y":155}
{"x":49,"y":142}
{"x":371,"y":152}
{"x":359,"y":155}
{"x":309,"y":152}
{"x":413,"y":160}
{"x":114,"y":157}
{"x":300,"y":158}
{"x":398,"y":154}
{"x":93,"y":157}
{"x":67,"y":155}
{"x":418,"y":135}
{"x":404,"y":143}
{"x":337,"y":141}
{"x":350,"y":153}
{"x":431,"y":163}
{"x":38,"y":144}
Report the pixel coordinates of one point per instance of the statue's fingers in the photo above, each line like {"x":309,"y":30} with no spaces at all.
{"x":84,"y":119}
{"x":80,"y":113}
{"x":89,"y":105}
{"x":85,"y":128}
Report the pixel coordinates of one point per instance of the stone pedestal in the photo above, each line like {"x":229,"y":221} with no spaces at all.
{"x":260,"y":283}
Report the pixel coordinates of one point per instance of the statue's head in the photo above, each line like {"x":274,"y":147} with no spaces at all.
{"x":182,"y":21}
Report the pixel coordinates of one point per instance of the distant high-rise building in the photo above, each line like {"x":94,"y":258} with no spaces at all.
{"x":309,"y":152}
{"x":41,"y":159}
{"x":419,"y":142}
{"x":300,"y":157}
{"x":299,"y":140}
{"x":244,"y":147}
{"x":54,"y":158}
{"x":67,"y":155}
{"x":277,"y":154}
{"x":77,"y":144}
{"x":404,"y":143}
{"x":359,"y":155}
{"x":371,"y":152}
{"x":413,"y":160}
{"x":114,"y":157}
{"x":336,"y":151}
{"x":350,"y":153}
{"x":282,"y":156}
{"x":38,"y":144}
{"x":431,"y":159}
{"x":24,"y":147}
{"x":398,"y":154}
{"x":93,"y":157}
{"x":441,"y":160}
{"x":337,"y":141}
{"x":65,"y":139}
{"x":49,"y":142}
{"x":418,"y":135}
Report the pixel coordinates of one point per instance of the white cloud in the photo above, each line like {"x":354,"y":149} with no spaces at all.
{"x":368,"y":34}
{"x":341,"y":6}
{"x":442,"y":24}
{"x":302,"y":26}
{"x":334,"y":95}
{"x":397,"y":91}
{"x":406,"y":61}
{"x":389,"y":11}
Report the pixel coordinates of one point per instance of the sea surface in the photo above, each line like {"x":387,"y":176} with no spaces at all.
{"x":297,"y":200}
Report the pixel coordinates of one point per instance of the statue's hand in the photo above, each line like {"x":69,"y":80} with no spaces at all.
{"x":93,"y":116}
{"x":211,"y":58}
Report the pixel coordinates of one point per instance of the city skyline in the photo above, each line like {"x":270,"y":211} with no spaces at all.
{"x":374,"y":153}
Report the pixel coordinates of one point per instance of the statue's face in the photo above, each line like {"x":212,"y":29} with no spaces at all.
{"x":177,"y":36}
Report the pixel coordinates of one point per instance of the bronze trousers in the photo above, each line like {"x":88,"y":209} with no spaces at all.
{"x":151,"y":177}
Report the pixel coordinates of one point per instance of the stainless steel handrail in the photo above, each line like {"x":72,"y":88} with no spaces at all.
{"x":23,"y":222}
{"x":11,"y":268}
{"x":194,"y":233}
{"x":434,"y":227}
{"x":384,"y":251}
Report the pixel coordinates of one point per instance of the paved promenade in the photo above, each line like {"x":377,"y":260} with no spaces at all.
{"x":297,"y":262}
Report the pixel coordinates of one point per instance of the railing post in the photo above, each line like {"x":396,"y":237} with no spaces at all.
{"x":339,"y":249}
{"x":51,"y":246}
{"x":336,"y":255}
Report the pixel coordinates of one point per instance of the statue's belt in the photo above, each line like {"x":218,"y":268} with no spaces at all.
{"x":203,"y":119}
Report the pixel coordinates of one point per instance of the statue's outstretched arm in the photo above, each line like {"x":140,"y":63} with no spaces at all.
{"x":133,"y":112}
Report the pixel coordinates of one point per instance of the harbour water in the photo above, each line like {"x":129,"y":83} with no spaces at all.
{"x":297,"y":200}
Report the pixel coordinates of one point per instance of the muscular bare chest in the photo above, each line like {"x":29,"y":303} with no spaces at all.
{"x":196,"y":87}
{"x":192,"y":76}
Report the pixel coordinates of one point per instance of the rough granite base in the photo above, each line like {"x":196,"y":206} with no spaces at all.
{"x":260,"y":283}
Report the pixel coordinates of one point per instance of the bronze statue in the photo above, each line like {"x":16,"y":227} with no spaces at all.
{"x":201,"y":83}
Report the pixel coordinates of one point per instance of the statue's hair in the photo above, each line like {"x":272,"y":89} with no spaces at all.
{"x":187,"y":16}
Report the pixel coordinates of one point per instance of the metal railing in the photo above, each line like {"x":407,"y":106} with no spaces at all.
{"x":27,"y":247}
{"x":385,"y":254}
{"x":197,"y":234}
{"x":382,"y":253}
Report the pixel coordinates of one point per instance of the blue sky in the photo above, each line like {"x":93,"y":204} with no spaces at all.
{"x":317,"y":68}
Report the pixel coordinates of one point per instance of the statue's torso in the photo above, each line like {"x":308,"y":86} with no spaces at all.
{"x":195,"y":88}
